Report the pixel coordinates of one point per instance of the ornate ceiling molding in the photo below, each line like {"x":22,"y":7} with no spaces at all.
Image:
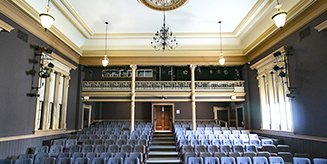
{"x":159,"y":4}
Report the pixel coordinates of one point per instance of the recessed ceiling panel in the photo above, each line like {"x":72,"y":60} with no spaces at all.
{"x":131,"y":16}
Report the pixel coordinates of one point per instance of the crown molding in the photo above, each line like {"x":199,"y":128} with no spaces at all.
{"x":5,"y":26}
{"x":300,"y":15}
{"x":321,"y":26}
{"x":164,"y":60}
{"x":14,"y":12}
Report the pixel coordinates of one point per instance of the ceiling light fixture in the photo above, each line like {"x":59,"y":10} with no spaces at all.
{"x":47,"y":20}
{"x":164,"y":38}
{"x":221,"y":57}
{"x":280,"y":16}
{"x":105,"y":60}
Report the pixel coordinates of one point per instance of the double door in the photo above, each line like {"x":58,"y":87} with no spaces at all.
{"x":163,"y":117}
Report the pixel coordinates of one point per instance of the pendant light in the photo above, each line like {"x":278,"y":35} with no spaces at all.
{"x":280,"y":16}
{"x":105,"y":60}
{"x":221,"y":57}
{"x":46,"y":19}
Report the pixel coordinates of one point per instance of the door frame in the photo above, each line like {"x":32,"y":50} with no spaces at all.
{"x":162,"y":104}
{"x":89,"y":107}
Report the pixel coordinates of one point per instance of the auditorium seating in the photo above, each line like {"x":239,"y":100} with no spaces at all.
{"x":105,"y":142}
{"x":213,"y":143}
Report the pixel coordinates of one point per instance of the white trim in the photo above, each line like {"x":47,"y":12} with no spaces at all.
{"x":37,"y":134}
{"x":321,"y":26}
{"x":5,"y":26}
{"x":290,"y":135}
{"x":89,"y":107}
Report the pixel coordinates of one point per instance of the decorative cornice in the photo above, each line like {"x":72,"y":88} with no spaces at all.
{"x":15,"y":13}
{"x":163,"y":60}
{"x":273,"y":36}
{"x":5,"y":26}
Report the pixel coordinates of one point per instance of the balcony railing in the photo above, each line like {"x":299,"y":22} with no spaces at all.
{"x":231,"y":86}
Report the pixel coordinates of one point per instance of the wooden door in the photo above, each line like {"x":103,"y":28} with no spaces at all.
{"x":163,"y":117}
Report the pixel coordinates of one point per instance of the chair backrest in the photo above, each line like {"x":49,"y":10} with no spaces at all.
{"x":113,"y":149}
{"x":225,"y":148}
{"x":187,"y":155}
{"x":41,"y":149}
{"x":38,"y":157}
{"x":70,"y":142}
{"x":115,"y":160}
{"x":77,"y":155}
{"x":6,"y":161}
{"x":276,"y":160}
{"x":137,"y":155}
{"x":267,"y":141}
{"x":87,"y":148}
{"x":24,"y":161}
{"x":204,"y":154}
{"x":75,"y":148}
{"x":319,"y":161}
{"x":55,"y":150}
{"x":195,"y":160}
{"x":260,"y":160}
{"x":211,"y":160}
{"x":64,"y":161}
{"x":105,"y":155}
{"x":219,"y":154}
{"x":283,"y":148}
{"x":299,"y":160}
{"x":126,"y":148}
{"x":251,"y":148}
{"x":131,"y":160}
{"x":81,"y":160}
{"x":139,"y":148}
{"x":100,"y":149}
{"x":238,"y":148}
{"x":227,"y":160}
{"x":91,"y":155}
{"x":187,"y":148}
{"x":212,"y":149}
{"x":243,"y":160}
{"x":269,"y":148}
{"x":120,"y":155}
{"x":249,"y":154}
{"x":48,"y":160}
{"x":97,"y":160}
{"x":199,"y":148}
{"x":263,"y":154}
{"x":287,"y":156}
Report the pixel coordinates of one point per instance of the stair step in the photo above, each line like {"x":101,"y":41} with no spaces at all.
{"x":163,"y":160}
{"x":162,"y":143}
{"x":163,"y":154}
{"x":163,"y":138}
{"x":172,"y":148}
{"x":163,"y":135}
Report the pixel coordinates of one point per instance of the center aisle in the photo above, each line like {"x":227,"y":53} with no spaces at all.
{"x":163,"y":148}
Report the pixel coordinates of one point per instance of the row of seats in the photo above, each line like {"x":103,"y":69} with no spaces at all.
{"x":79,"y":160}
{"x":254,"y":160}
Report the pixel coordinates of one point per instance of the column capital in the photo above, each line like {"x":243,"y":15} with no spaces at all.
{"x":133,"y":66}
{"x":193,"y":66}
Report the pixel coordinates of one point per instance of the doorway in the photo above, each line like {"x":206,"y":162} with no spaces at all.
{"x":86,"y":115}
{"x":162,"y":116}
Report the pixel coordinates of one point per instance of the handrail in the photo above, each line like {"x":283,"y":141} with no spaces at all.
{"x":232,"y":86}
{"x":219,"y":122}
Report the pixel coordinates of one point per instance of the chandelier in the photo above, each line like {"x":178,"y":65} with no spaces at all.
{"x":164,"y":39}
{"x":280,"y":16}
{"x":47,"y":20}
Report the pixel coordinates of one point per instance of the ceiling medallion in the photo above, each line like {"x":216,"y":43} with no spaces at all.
{"x":163,"y":4}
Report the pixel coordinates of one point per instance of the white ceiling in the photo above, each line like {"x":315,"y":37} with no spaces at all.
{"x":131,"y":16}
{"x":132,"y":24}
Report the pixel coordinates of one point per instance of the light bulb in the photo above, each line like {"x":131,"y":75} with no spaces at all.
{"x":280,"y":18}
{"x":105,"y":61}
{"x":221,"y":60}
{"x":46,"y":20}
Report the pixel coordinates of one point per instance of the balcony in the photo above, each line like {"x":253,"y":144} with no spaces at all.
{"x":163,"y":86}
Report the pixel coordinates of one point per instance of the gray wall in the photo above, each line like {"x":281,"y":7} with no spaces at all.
{"x":121,"y":110}
{"x":307,"y":66}
{"x":17,"y":111}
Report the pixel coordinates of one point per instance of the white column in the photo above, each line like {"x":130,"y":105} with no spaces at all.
{"x":64,"y":103}
{"x":193,"y":96}
{"x":133,"y":96}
